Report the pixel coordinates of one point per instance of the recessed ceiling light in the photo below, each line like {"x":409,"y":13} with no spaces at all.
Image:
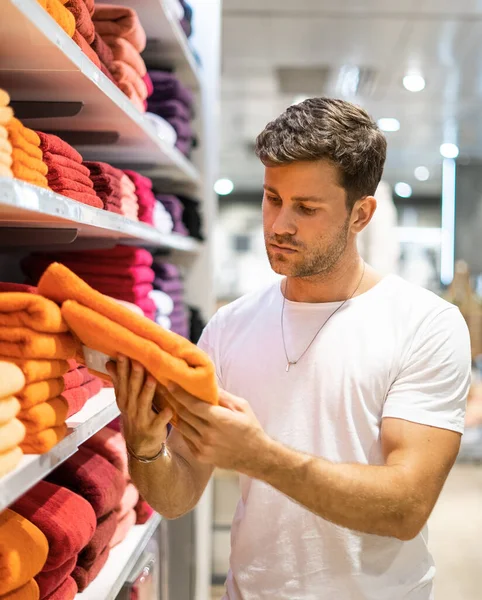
{"x":449,"y":150}
{"x":422,"y":173}
{"x":414,"y":82}
{"x":388,"y":124}
{"x":223,"y":187}
{"x":404,"y":190}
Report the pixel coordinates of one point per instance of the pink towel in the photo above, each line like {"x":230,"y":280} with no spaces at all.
{"x":76,"y":378}
{"x":111,"y":445}
{"x":129,"y":500}
{"x":123,"y":528}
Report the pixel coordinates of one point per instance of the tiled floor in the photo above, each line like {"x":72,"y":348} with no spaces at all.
{"x":455,"y":537}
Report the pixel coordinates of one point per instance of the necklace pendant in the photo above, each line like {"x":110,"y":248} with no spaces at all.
{"x":289,"y":365}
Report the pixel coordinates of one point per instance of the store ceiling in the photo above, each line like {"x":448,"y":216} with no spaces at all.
{"x":273,"y":47}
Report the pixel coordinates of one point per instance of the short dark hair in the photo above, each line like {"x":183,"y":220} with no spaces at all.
{"x":332,"y":129}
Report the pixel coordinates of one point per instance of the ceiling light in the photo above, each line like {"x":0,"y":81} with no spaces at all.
{"x":404,"y":190}
{"x":388,"y":124}
{"x":422,"y":173}
{"x":223,"y":187}
{"x":449,"y":150}
{"x":414,"y":82}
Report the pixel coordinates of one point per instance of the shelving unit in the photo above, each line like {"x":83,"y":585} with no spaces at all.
{"x":97,"y":413}
{"x":35,"y":51}
{"x":27,"y":206}
{"x":120,"y":563}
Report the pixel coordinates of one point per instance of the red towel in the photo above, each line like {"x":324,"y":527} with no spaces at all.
{"x":58,"y":161}
{"x":49,"y":581}
{"x":83,"y":20}
{"x":85,"y":576}
{"x":123,"y":527}
{"x":102,"y":50}
{"x":76,"y":378}
{"x":143,"y":512}
{"x":106,"y":528}
{"x":111,"y":445}
{"x":92,"y":477}
{"x":89,"y":199}
{"x":61,"y":184}
{"x":52,"y":143}
{"x":59,"y":173}
{"x":67,"y":591}
{"x":102,"y":168}
{"x":86,"y":49}
{"x":77,"y":397}
{"x":66,"y":519}
{"x":17,"y":287}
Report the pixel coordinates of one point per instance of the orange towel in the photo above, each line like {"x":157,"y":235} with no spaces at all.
{"x":43,"y":441}
{"x":120,"y":21}
{"x":125,"y":51}
{"x":40,"y":391}
{"x":106,"y":326}
{"x":44,"y":416}
{"x":19,"y":309}
{"x":12,"y":379}
{"x":9,"y":460}
{"x":6,"y":114}
{"x":25,"y":159}
{"x":124,"y":73}
{"x":29,"y":591}
{"x":23,"y":551}
{"x":11,"y":435}
{"x":21,"y":342}
{"x":59,"y":13}
{"x":24,"y":138}
{"x":39,"y":370}
{"x":24,"y":173}
{"x":9,"y":409}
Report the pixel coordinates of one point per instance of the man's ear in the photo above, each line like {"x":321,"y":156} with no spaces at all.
{"x":362,"y":213}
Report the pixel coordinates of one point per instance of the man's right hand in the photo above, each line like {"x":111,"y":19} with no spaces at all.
{"x":144,"y":430}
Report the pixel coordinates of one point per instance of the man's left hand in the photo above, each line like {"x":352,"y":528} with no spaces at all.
{"x":228,"y":435}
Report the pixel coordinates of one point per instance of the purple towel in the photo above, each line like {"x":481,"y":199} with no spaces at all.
{"x":176,"y":209}
{"x":168,"y":87}
{"x":166,"y":270}
{"x":168,"y":109}
{"x":169,"y":287}
{"x":183,"y":128}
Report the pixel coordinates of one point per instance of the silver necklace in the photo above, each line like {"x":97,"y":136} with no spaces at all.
{"x":294,"y":362}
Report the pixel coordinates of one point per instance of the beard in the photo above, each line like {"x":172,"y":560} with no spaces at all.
{"x":307,"y":262}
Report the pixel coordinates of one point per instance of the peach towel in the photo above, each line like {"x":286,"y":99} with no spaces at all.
{"x":39,"y":370}
{"x":11,"y":435}
{"x":123,"y":527}
{"x":12,"y":379}
{"x":123,"y":50}
{"x":120,"y":21}
{"x":23,"y":551}
{"x":9,"y":409}
{"x":9,"y":460}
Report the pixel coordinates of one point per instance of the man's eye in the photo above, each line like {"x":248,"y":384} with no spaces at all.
{"x":273,"y":199}
{"x":307,"y":211}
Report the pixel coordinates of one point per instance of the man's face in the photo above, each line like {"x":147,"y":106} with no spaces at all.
{"x":305,"y":219}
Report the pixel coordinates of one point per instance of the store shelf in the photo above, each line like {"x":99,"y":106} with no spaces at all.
{"x":167,"y":44}
{"x":36,"y":54}
{"x":27,"y":206}
{"x":97,"y":413}
{"x":120,"y":563}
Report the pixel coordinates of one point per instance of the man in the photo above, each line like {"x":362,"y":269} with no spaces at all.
{"x":345,"y":391}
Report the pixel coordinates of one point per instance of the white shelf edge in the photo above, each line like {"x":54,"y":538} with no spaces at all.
{"x":50,"y":29}
{"x":97,"y":413}
{"x":121,"y":561}
{"x":23,"y":195}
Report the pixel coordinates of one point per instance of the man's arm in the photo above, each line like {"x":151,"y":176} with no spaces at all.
{"x":394,"y":499}
{"x":174,"y":483}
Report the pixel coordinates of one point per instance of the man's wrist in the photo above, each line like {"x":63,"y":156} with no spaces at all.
{"x":148,"y":458}
{"x":263,"y":459}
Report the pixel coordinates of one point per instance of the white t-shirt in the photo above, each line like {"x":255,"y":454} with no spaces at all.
{"x":395,"y":351}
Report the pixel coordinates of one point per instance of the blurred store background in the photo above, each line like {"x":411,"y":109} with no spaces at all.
{"x":416,"y":66}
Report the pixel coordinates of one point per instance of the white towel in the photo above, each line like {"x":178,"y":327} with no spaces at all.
{"x":163,"y":302}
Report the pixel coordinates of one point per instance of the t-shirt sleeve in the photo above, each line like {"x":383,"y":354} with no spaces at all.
{"x":432,"y":385}
{"x":209,"y":343}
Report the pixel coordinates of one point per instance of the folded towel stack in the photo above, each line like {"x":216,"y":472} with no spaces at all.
{"x":162,"y":219}
{"x":119,"y":27}
{"x":65,"y":173}
{"x":94,"y":478}
{"x":23,"y":552}
{"x":174,"y":103}
{"x":12,"y":431}
{"x":112,"y":188}
{"x":79,"y":387}
{"x":67,"y":520}
{"x":145,"y":196}
{"x":27,"y":156}
{"x":175,"y":208}
{"x":84,"y":33}
{"x":34,"y":335}
{"x":122,"y":272}
{"x":6,"y":115}
{"x":59,"y":13}
{"x":104,"y":325}
{"x":169,"y":280}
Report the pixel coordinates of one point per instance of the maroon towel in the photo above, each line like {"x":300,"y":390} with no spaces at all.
{"x":67,"y":591}
{"x":52,"y":143}
{"x":77,"y":397}
{"x":76,"y":378}
{"x":106,"y":528}
{"x":17,"y":287}
{"x":66,"y":519}
{"x":82,"y":43}
{"x":85,"y":576}
{"x":102,"y":168}
{"x":92,"y":477}
{"x":49,"y":581}
{"x":83,"y":21}
{"x":102,"y":50}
